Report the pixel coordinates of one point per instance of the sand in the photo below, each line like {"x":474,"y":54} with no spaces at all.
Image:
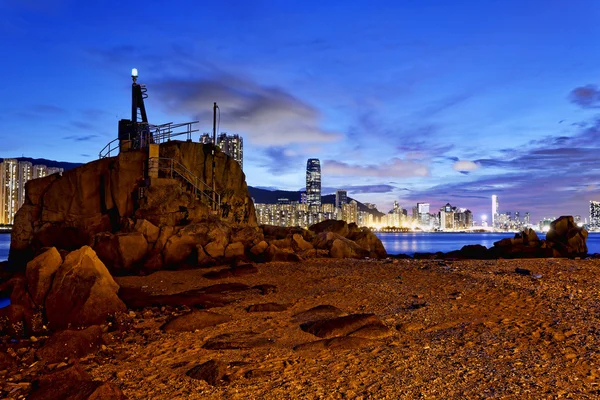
{"x":455,"y":330}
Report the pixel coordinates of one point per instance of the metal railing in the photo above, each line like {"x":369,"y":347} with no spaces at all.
{"x":155,"y":134}
{"x":172,"y":169}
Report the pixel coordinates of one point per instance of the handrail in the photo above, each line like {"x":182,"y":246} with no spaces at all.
{"x":158,"y":134}
{"x":200,"y":187}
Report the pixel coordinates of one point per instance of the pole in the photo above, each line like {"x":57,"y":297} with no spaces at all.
{"x":214,"y":188}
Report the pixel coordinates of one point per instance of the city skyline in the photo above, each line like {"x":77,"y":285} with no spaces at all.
{"x":415,"y":103}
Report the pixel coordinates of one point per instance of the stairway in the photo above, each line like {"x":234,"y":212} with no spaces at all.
{"x":170,"y":168}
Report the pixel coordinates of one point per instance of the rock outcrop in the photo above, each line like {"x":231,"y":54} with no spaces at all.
{"x":83,"y":292}
{"x":114,"y":197}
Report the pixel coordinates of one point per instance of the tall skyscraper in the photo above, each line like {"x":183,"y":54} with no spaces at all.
{"x":313,"y":182}
{"x":423,"y":214}
{"x":9,"y":190}
{"x":232,"y":145}
{"x":494,"y":210}
{"x":594,"y":214}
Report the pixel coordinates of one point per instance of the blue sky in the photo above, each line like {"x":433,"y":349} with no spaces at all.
{"x":424,"y":101}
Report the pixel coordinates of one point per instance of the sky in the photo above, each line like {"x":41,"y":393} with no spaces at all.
{"x":414,"y":101}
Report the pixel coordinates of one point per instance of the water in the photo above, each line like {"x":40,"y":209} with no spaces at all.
{"x":4,"y":246}
{"x":411,"y":243}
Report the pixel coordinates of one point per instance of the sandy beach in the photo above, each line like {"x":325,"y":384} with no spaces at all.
{"x":453,"y":330}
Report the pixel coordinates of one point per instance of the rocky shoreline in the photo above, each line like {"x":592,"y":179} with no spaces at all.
{"x":397,"y":328}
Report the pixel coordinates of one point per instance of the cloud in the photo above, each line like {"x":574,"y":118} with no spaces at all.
{"x":267,"y":116}
{"x":280,"y":160}
{"x":356,"y":189}
{"x":396,"y":167}
{"x":80,"y":138}
{"x":587,"y":96}
{"x":465,"y":166}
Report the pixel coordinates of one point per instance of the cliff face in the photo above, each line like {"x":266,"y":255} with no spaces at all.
{"x":104,"y":196}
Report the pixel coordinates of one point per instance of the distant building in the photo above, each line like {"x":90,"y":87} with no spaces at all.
{"x":9,"y":190}
{"x":341,"y":197}
{"x":313,"y":182}
{"x":232,"y":145}
{"x":595,"y":214}
{"x":494,"y":210}
{"x":447,"y":217}
{"x":54,"y":170}
{"x":423,"y":214}
{"x":14,"y":175}
{"x":40,"y":171}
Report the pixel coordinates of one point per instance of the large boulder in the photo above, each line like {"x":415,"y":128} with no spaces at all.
{"x":566,"y":238}
{"x":70,"y":344}
{"x":122,"y":251}
{"x":83,"y":292}
{"x":344,"y":248}
{"x":331,"y":225}
{"x":40,"y":272}
{"x":368,"y":241}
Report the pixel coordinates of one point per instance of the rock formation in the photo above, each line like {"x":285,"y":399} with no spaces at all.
{"x":112,"y":194}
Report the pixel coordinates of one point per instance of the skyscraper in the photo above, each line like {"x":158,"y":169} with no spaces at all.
{"x":313,"y":182}
{"x":494,"y":210}
{"x":341,"y":197}
{"x":39,"y":171}
{"x":232,"y":145}
{"x":594,"y":214}
{"x":9,"y":190}
{"x":25,"y":174}
{"x":423,"y":214}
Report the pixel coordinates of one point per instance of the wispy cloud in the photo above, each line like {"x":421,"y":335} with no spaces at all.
{"x":395,"y":167}
{"x":266,"y":115}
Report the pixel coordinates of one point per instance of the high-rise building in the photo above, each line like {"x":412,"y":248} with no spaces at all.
{"x":423,"y":214}
{"x":341,"y":197}
{"x":447,"y":217}
{"x":594,"y":214}
{"x":9,"y":190}
{"x":25,"y":174}
{"x":527,"y":219}
{"x":39,"y":171}
{"x":494,"y":210}
{"x":232,"y":145}
{"x":313,"y":182}
{"x":55,"y":170}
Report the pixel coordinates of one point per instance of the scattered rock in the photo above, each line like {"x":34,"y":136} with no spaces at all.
{"x":317,"y":313}
{"x":339,"y":326}
{"x":266,"y":289}
{"x":236,"y":340}
{"x":212,"y":372}
{"x":194,"y":320}
{"x":70,"y":344}
{"x":267,"y":307}
{"x":75,"y":384}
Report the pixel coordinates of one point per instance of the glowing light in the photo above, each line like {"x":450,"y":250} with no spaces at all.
{"x":484,"y":217}
{"x":134,"y":73}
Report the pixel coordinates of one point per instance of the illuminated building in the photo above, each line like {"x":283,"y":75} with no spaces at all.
{"x":313,"y":182}
{"x":447,"y":217}
{"x":9,"y":190}
{"x":527,"y":219}
{"x":54,"y":170}
{"x":594,"y":214}
{"x":463,"y":219}
{"x":25,"y":174}
{"x":39,"y":171}
{"x":494,"y":210}
{"x":423,"y":214}
{"x":232,"y":145}
{"x":350,"y":212}
{"x":341,"y":198}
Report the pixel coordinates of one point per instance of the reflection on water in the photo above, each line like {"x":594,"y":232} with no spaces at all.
{"x":411,"y":243}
